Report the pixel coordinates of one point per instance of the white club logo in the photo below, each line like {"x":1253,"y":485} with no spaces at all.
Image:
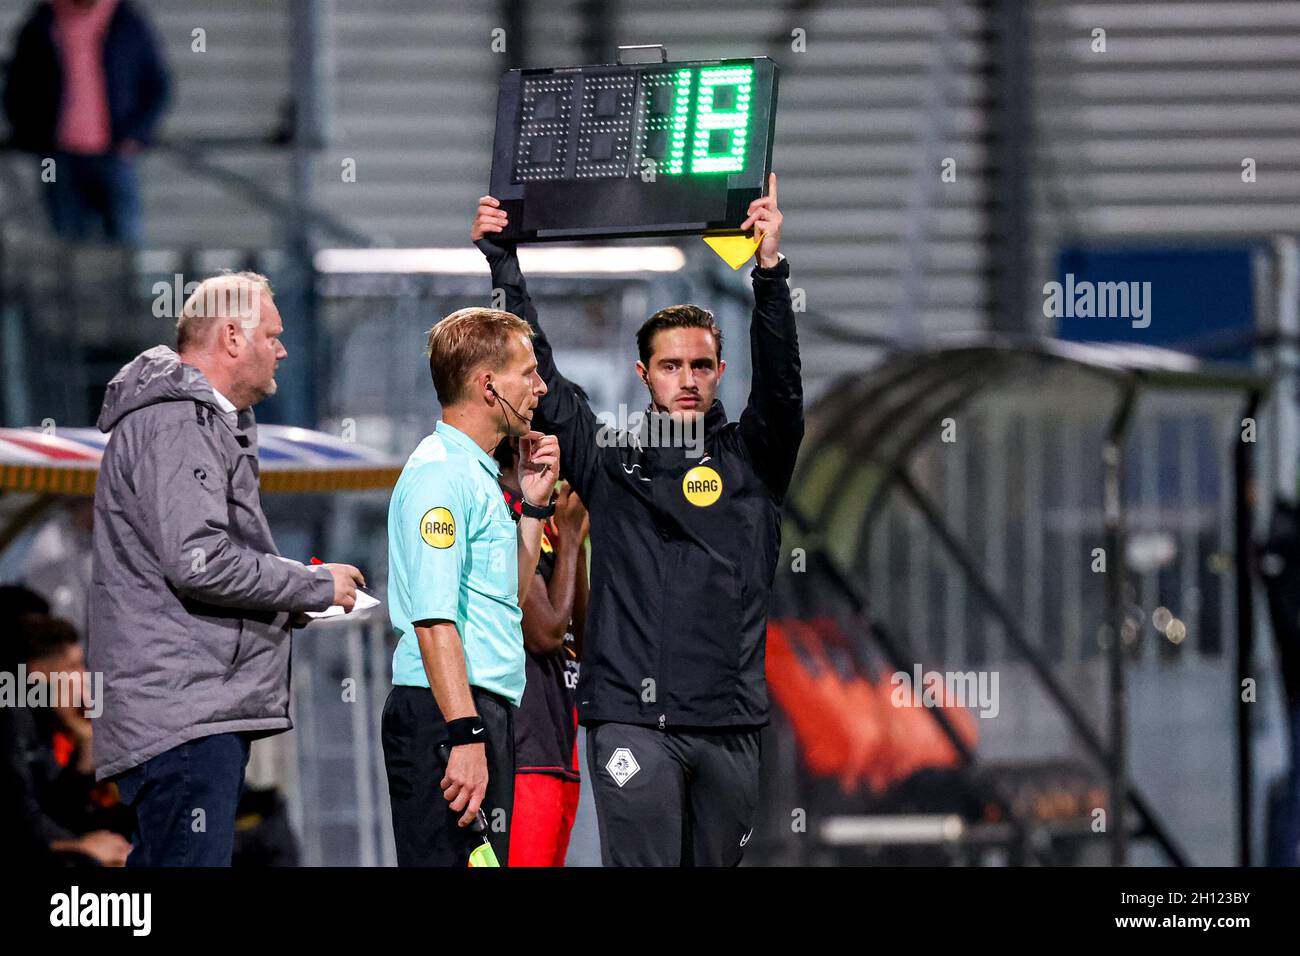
{"x":622,"y":766}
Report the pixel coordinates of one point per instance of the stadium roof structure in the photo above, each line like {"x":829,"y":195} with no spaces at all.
{"x":869,"y":426}
{"x":882,"y":416}
{"x":291,"y":460}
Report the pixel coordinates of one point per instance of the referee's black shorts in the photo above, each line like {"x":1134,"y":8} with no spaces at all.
{"x":424,"y":826}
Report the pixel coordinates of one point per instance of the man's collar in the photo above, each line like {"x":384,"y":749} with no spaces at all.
{"x":225,"y":404}
{"x":451,"y":433}
{"x":714,"y":419}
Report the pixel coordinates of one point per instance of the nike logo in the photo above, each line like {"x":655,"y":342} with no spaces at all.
{"x":480,"y":730}
{"x":629,"y":471}
{"x":745,"y":838}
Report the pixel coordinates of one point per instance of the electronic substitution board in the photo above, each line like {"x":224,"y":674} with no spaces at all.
{"x":633,"y":149}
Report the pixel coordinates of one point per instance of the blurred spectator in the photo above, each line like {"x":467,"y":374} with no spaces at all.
{"x":16,"y":601}
{"x":547,"y":781}
{"x":263,"y":831}
{"x":86,"y":87}
{"x":52,"y":809}
{"x":18,"y":812}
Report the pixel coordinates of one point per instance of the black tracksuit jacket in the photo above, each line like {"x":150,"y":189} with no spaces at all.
{"x":677,"y":616}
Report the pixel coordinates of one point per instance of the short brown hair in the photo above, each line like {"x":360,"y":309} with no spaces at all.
{"x":675,"y":317}
{"x":465,"y":341}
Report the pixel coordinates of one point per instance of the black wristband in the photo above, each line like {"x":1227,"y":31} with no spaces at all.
{"x":533,"y":511}
{"x":466,"y":730}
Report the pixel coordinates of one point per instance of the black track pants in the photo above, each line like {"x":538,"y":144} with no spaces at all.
{"x":673,"y":798}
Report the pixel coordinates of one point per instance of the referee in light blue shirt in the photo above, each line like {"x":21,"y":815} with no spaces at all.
{"x":458,"y":565}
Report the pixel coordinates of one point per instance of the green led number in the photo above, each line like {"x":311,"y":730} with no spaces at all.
{"x":721,"y":128}
{"x":681,"y":114}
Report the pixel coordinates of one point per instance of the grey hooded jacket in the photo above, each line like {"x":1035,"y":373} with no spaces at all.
{"x":189,"y":598}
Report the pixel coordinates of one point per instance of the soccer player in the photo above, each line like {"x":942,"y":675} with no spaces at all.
{"x":547,"y":781}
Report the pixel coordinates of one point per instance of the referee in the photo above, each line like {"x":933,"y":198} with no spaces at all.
{"x":456,"y":563}
{"x":685,"y":542}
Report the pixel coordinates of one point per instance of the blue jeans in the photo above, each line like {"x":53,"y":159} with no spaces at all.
{"x":94,"y":196}
{"x":184,"y":801}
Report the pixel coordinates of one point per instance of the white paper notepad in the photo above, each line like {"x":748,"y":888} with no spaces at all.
{"x":364,"y":603}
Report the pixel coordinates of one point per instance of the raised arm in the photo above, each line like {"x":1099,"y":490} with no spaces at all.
{"x":772,"y":423}
{"x":563,"y":410}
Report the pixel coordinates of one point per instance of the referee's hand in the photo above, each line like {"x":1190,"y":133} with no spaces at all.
{"x":539,"y":467}
{"x":466,"y":781}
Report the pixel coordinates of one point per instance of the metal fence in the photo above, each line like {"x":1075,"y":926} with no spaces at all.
{"x":337,"y":789}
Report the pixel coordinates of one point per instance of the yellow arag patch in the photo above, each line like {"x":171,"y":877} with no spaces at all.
{"x":438,"y":528}
{"x":702,"y":486}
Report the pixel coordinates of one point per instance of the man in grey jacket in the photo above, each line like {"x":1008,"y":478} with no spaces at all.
{"x":191,"y":606}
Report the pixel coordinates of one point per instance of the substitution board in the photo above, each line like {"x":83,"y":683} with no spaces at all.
{"x":669,"y":148}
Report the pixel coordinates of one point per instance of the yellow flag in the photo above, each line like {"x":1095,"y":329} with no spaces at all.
{"x":735,"y":251}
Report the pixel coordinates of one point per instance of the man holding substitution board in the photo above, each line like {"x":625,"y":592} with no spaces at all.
{"x":684,"y":549}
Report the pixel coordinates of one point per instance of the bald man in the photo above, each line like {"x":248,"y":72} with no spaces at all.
{"x":191,"y":603}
